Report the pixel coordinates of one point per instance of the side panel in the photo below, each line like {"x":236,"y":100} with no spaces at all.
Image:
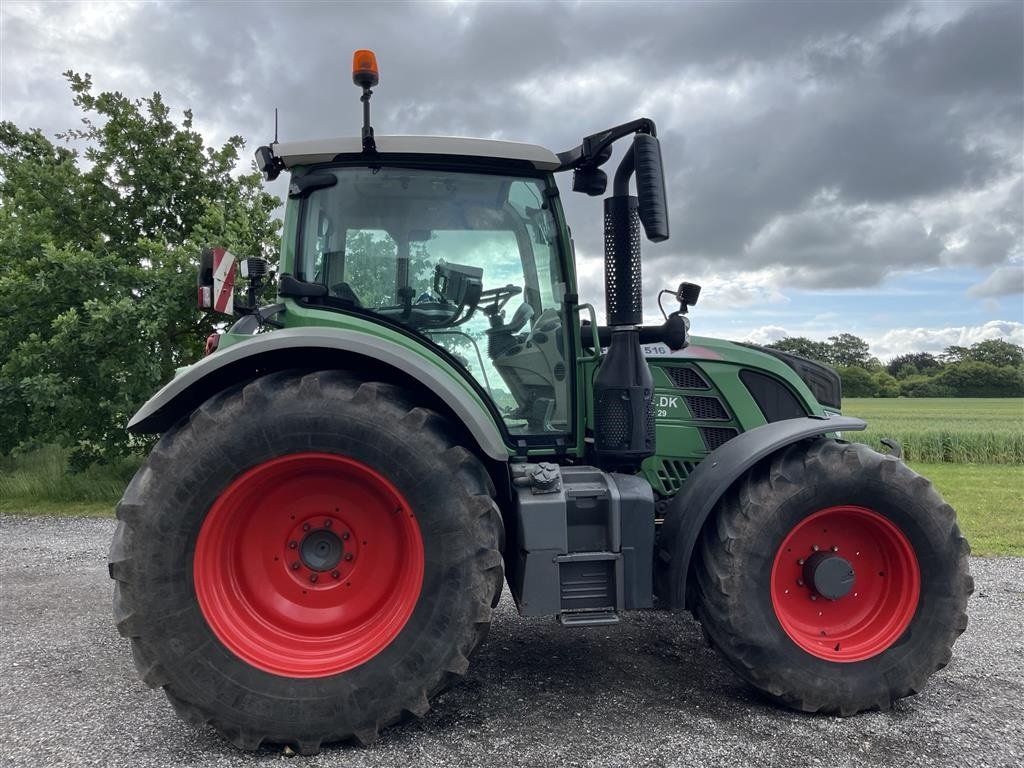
{"x":690,"y":507}
{"x":303,"y":347}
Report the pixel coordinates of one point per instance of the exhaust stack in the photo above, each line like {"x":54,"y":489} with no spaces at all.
{"x":623,"y":387}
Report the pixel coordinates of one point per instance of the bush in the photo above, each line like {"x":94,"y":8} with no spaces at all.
{"x":885,"y":385}
{"x":974,"y":379}
{"x":857,"y":382}
{"x":924,"y":386}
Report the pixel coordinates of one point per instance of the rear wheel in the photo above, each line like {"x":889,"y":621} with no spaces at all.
{"x":833,"y":578}
{"x":307,"y":559}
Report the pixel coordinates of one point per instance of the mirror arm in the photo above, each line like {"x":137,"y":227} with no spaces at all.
{"x":591,"y":152}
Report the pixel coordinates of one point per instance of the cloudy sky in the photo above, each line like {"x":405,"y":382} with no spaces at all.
{"x":832,"y":166}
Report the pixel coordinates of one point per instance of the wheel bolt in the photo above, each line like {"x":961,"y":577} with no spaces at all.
{"x":835,"y":548}
{"x":305,"y":526}
{"x":348,"y":555}
{"x":346,"y":536}
{"x":292,"y":544}
{"x":295,"y":566}
{"x":814,"y":597}
{"x":335,"y":575}
{"x":815,"y":547}
{"x":799,"y":582}
{"x":328,"y":523}
{"x":314,"y":578}
{"x":801,"y":561}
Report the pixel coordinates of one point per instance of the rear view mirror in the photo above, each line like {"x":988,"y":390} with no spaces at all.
{"x":303,"y":185}
{"x":650,"y":187}
{"x":216,"y":281}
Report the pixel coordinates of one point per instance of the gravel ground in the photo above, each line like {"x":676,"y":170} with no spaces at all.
{"x":644,"y":692}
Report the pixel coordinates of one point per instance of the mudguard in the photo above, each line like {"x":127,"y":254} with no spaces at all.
{"x":301,"y":347}
{"x":713,"y":476}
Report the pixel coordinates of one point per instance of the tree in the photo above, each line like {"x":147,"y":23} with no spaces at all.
{"x":798,"y":345}
{"x":97,"y":289}
{"x":846,"y":350}
{"x":912,"y":363}
{"x":997,"y":352}
{"x":954,"y":354}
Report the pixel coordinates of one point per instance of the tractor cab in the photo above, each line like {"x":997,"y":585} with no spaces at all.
{"x":471,"y":259}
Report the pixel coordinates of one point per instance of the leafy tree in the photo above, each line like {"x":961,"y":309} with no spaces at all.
{"x":846,"y":349}
{"x":798,"y":345}
{"x":954,"y":354}
{"x":97,"y":288}
{"x":997,"y":352}
{"x":912,"y":363}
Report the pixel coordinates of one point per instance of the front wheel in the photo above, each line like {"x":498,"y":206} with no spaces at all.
{"x":833,"y":578}
{"x":308,"y":558}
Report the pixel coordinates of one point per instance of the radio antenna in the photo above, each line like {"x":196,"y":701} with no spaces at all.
{"x":275,"y":125}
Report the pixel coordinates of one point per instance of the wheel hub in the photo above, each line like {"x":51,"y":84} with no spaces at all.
{"x":830,"y":575}
{"x":845,"y":583}
{"x":308,"y":565}
{"x":321,"y":550}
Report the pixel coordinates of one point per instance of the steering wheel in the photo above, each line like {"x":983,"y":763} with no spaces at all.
{"x":500,"y":297}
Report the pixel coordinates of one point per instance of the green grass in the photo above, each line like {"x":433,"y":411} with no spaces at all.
{"x":989,"y":503}
{"x":40,"y":482}
{"x":944,"y":430}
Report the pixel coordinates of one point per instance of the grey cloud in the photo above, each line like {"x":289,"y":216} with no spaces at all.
{"x":869,"y":102}
{"x":1004,"y":281}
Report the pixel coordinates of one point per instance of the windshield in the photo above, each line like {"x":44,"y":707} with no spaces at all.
{"x":469,"y":260}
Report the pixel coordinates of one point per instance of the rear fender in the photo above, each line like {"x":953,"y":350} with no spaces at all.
{"x":320,"y":348}
{"x":691,"y":507}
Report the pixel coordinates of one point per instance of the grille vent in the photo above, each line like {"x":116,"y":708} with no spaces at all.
{"x":673,"y":473}
{"x":715,"y":436}
{"x":706,"y":408}
{"x":686,"y":378}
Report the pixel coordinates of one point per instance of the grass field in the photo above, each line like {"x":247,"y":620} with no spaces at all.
{"x":944,"y":430}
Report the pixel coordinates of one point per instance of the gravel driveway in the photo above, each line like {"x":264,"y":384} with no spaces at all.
{"x":644,"y":692}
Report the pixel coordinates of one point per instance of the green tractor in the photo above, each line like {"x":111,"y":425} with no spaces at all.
{"x":346,"y":481}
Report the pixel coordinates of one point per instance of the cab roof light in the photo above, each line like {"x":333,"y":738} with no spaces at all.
{"x":365,"y":73}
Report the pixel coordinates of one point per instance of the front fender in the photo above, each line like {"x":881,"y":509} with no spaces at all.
{"x":691,"y":507}
{"x":313,"y":348}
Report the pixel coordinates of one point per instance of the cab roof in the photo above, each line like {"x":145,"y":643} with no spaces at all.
{"x":294,"y":153}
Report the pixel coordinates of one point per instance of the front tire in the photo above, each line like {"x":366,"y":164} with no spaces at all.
{"x":833,"y":578}
{"x":307,"y":559}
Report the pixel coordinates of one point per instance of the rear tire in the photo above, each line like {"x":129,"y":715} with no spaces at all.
{"x":866,"y":639}
{"x":233,"y":573}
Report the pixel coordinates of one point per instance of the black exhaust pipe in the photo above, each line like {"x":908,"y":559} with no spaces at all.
{"x":623,"y":387}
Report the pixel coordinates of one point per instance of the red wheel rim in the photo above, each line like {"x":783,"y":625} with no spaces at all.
{"x":882,"y":595}
{"x":308,"y":565}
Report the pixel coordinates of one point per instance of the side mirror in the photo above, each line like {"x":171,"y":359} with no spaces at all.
{"x":650,"y":187}
{"x":216,"y":281}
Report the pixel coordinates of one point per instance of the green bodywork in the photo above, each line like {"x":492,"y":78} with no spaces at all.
{"x":680,"y":446}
